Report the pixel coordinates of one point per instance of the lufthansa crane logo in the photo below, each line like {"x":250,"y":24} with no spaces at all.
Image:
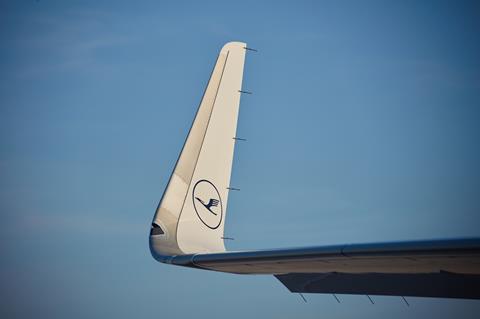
{"x":207,"y":203}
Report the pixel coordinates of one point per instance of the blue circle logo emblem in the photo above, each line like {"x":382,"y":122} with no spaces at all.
{"x":207,"y":203}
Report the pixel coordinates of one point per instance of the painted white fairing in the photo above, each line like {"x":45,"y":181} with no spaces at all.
{"x":192,"y":211}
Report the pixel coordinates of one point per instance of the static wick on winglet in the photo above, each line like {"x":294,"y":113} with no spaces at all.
{"x":233,"y":188}
{"x":239,"y":139}
{"x":227,"y":238}
{"x":245,"y":92}
{"x":250,"y":49}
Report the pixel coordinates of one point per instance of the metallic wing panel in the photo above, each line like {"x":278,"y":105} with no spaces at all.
{"x":434,"y":268}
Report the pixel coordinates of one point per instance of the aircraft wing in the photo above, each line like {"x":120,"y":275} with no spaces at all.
{"x":188,"y":226}
{"x":438,"y":268}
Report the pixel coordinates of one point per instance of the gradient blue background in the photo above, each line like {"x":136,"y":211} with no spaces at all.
{"x":363,"y":126}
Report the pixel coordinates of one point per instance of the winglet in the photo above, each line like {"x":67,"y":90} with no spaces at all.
{"x":182,"y":224}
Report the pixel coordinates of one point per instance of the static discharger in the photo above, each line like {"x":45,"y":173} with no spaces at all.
{"x":233,"y":188}
{"x":301,"y":295}
{"x":250,"y":49}
{"x":245,"y":92}
{"x":239,"y":139}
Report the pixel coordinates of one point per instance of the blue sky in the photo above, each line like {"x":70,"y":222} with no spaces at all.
{"x":363,"y":127}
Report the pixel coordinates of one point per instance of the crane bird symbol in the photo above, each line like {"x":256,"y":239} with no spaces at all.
{"x":211,"y":203}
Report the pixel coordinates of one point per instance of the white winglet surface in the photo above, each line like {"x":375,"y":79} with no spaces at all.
{"x":191,"y":215}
